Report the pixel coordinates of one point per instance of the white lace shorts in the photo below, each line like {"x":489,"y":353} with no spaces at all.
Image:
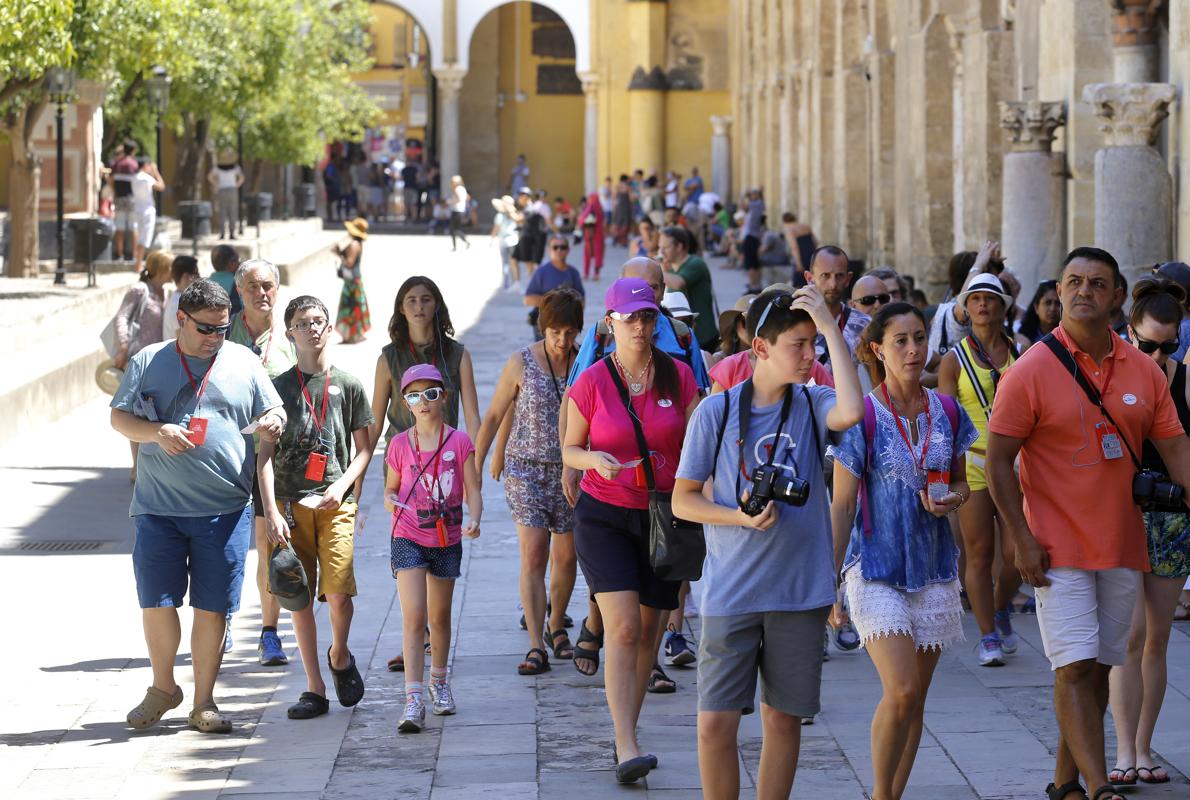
{"x":933,"y":616}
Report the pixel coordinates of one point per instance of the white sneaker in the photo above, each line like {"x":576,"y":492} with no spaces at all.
{"x":414,"y":718}
{"x":990,"y":652}
{"x":1009,"y":641}
{"x":441,"y":698}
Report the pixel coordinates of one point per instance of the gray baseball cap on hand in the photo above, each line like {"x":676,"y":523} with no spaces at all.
{"x":287,"y":578}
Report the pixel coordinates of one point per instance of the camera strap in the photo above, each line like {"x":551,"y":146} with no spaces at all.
{"x":745,"y":417}
{"x":641,"y":443}
{"x":1063,"y":355}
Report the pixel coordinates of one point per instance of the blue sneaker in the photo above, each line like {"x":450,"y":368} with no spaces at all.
{"x":1008,"y":639}
{"x":227,"y":642}
{"x":269,"y":650}
{"x":677,"y":650}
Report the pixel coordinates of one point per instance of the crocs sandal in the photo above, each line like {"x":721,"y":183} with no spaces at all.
{"x":153,"y":707}
{"x":536,"y":662}
{"x":660,"y":683}
{"x":587,"y":653}
{"x":309,"y":706}
{"x":563,"y":650}
{"x":349,"y":684}
{"x":1060,"y":792}
{"x":209,"y":719}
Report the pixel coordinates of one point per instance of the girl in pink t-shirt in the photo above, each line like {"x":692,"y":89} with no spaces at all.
{"x":735,"y":369}
{"x":431,"y":473}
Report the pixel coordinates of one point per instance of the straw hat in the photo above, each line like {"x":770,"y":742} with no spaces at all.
{"x":741,"y":308}
{"x":357,"y":227}
{"x":108,"y":376}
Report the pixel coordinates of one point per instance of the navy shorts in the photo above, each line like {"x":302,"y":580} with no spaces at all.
{"x":442,"y":562}
{"x":204,"y":554}
{"x":612,"y":544}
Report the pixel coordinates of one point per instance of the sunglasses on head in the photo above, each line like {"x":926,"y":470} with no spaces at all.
{"x":208,"y":330}
{"x":645,"y":315}
{"x":1147,"y":347}
{"x":783,"y":300}
{"x":431,"y":395}
{"x":870,"y":299}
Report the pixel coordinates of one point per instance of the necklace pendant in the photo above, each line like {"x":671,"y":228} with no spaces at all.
{"x":636,"y":388}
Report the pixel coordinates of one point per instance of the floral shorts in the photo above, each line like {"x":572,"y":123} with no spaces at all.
{"x":534,"y":493}
{"x":1169,"y":543}
{"x":933,"y":616}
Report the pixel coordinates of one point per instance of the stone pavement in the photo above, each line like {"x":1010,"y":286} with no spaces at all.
{"x":77,"y":664}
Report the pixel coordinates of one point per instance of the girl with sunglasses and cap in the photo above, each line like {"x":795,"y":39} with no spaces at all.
{"x":970,"y":373}
{"x":1138,"y":687}
{"x":431,"y":472}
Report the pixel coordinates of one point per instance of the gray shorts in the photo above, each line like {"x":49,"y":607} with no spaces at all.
{"x":786,"y":648}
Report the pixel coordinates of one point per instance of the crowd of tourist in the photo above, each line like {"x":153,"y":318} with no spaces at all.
{"x":823,"y":461}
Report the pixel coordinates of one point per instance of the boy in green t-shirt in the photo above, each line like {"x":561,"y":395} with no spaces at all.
{"x":328,"y":412}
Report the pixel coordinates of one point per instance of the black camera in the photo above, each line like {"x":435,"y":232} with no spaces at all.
{"x":771,"y":483}
{"x":1154,"y":491}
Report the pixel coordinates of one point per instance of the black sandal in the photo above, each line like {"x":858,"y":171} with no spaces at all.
{"x":349,"y":684}
{"x":309,"y":706}
{"x":660,"y":683}
{"x":538,"y":661}
{"x":586,"y":653}
{"x":1060,"y":792}
{"x":397,"y":662}
{"x":563,"y":650}
{"x":1106,"y":790}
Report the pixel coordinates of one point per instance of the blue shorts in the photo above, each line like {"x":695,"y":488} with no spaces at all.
{"x":206,"y":553}
{"x":442,"y":562}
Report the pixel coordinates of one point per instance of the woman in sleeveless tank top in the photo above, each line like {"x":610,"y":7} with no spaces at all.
{"x":970,"y":372}
{"x":531,"y":389}
{"x":1156,"y":313}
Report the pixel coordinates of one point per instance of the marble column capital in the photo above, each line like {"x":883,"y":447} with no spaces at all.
{"x":590,"y":82}
{"x":720,"y":124}
{"x":1130,"y":113}
{"x":1030,"y":124}
{"x":450,"y":80}
{"x":1136,"y":22}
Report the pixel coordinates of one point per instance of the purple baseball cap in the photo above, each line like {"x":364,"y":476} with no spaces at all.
{"x":421,"y":372}
{"x":630,"y":294}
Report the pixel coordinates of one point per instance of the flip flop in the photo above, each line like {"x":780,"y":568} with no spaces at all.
{"x":349,"y":684}
{"x":209,"y":719}
{"x":309,"y":706}
{"x":1140,"y":773}
{"x":153,"y":707}
{"x":1119,"y":776}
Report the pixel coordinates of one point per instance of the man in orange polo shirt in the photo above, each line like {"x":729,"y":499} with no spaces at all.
{"x":1080,"y":539}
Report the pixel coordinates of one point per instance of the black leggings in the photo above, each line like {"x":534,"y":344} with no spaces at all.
{"x":456,"y":227}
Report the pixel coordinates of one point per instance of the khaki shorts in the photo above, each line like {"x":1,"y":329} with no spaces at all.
{"x":1086,"y":615}
{"x":325,"y":544}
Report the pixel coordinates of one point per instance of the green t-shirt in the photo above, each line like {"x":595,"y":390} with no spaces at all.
{"x":697,"y":275}
{"x":273,"y":346}
{"x":348,"y":411}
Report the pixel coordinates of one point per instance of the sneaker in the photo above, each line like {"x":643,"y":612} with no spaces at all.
{"x":269,"y":650}
{"x":826,"y":644}
{"x":990,"y":652}
{"x":227,"y":642}
{"x":441,"y":698}
{"x":677,"y":650}
{"x":414,"y":718}
{"x":1008,"y":639}
{"x":846,"y":636}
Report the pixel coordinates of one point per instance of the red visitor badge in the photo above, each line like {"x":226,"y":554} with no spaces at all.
{"x":938,"y":483}
{"x":315,"y":467}
{"x":197,"y":434}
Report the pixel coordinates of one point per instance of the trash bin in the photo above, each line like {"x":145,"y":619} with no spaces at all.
{"x":260,"y":207}
{"x":91,"y":236}
{"x":195,"y":217}
{"x":304,"y":200}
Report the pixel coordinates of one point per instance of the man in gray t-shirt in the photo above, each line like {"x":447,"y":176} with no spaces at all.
{"x":187,"y":402}
{"x":768,"y":580}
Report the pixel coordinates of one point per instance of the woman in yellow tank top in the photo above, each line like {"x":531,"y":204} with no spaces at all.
{"x":970,"y":374}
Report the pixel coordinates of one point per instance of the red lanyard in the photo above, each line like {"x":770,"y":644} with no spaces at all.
{"x":921,"y":434}
{"x":326,"y":386}
{"x":844,"y":315}
{"x":198,"y":390}
{"x":437,"y":454}
{"x":417,"y":356}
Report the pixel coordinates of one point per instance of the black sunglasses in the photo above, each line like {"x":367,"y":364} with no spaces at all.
{"x":561,"y":247}
{"x":870,"y":299}
{"x":1147,"y":347}
{"x":209,"y":330}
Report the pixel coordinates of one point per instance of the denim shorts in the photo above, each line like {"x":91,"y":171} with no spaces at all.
{"x":205,"y":554}
{"x":441,"y":562}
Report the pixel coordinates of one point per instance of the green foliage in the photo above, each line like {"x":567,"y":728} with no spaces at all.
{"x":34,"y":35}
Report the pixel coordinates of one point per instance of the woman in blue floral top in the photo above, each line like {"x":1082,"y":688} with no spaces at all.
{"x":898,"y":556}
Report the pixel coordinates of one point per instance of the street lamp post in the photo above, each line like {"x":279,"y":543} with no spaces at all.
{"x":157,"y":89}
{"x":240,"y":188}
{"x":59,"y":83}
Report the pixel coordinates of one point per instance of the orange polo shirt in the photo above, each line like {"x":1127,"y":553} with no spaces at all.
{"x":1079,"y":504}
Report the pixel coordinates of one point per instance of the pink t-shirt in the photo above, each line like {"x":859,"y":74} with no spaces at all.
{"x":737,"y":368}
{"x":438,"y":493}
{"x":664,"y":423}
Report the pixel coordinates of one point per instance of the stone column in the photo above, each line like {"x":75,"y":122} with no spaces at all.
{"x":590,"y":82}
{"x":646,"y":111}
{"x":1133,"y":188}
{"x":1034,"y":201}
{"x":1135,"y":40}
{"x":449,"y":83}
{"x":721,"y":157}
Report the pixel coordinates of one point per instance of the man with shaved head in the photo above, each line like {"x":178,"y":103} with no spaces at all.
{"x":869,"y":295}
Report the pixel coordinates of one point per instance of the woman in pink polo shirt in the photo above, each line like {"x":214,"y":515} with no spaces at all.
{"x":611,"y":531}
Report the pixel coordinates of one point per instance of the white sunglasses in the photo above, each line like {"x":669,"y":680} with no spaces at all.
{"x":430,"y":395}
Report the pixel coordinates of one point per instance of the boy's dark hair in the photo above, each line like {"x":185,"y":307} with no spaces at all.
{"x":780,"y":317}
{"x":1096,"y":254}
{"x":182,"y":265}
{"x":222,"y":255}
{"x":203,"y":295}
{"x":304,"y":302}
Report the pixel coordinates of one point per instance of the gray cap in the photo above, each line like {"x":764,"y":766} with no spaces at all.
{"x":1177,"y":272}
{"x":287,"y":578}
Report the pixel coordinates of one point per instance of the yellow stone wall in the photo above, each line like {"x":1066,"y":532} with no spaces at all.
{"x":385,"y":21}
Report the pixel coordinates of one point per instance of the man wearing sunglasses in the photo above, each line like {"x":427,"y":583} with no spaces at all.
{"x":554,"y":274}
{"x":188,"y":402}
{"x":870,"y":295}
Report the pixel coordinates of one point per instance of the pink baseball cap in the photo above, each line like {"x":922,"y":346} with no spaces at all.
{"x":630,"y":294}
{"x":421,"y":372}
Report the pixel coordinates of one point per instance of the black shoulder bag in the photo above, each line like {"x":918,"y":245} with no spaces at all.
{"x":1151,"y":490}
{"x":677,"y":547}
